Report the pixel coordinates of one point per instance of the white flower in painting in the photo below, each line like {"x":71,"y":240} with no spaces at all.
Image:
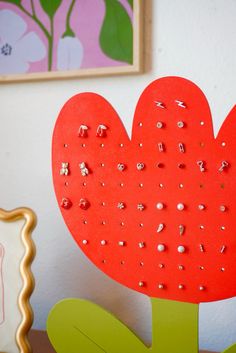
{"x":69,"y":53}
{"x":17,"y":48}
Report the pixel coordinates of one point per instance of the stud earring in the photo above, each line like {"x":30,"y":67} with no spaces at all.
{"x":223,"y":248}
{"x":141,"y":245}
{"x":161,"y":286}
{"x":202,"y":249}
{"x":101,"y":131}
{"x":181,"y":229}
{"x":140,"y":207}
{"x":180,"y":103}
{"x":83,"y":131}
{"x":64,"y":168}
{"x":66,"y":203}
{"x":120,"y":167}
{"x":201,"y":165}
{"x":141,"y":284}
{"x":140,"y":166}
{"x":121,"y":205}
{"x":180,"y":124}
{"x":83,"y":169}
{"x":121,"y":243}
{"x":159,"y":125}
{"x":161,"y":247}
{"x":180,"y":206}
{"x":159,"y":104}
{"x":181,"y":147}
{"x":160,"y":227}
{"x":161,"y":147}
{"x":224,"y":165}
{"x":84,"y":204}
{"x":181,"y":249}
{"x":160,"y":206}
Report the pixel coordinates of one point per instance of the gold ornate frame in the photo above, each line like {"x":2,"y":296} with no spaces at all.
{"x":28,"y":280}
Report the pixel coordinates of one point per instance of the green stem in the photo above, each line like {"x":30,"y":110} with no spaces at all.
{"x":68,"y":31}
{"x":50,"y":44}
{"x":35,"y":18}
{"x":47,"y":34}
{"x":33,"y":8}
{"x":175,"y":326}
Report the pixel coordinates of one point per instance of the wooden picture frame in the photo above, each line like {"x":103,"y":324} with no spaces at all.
{"x":17,"y":252}
{"x":116,"y":67}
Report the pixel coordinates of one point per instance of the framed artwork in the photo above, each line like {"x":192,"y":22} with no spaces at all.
{"x":41,"y":39}
{"x":16,"y":281}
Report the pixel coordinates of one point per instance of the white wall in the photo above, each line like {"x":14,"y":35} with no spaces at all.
{"x":193,"y":39}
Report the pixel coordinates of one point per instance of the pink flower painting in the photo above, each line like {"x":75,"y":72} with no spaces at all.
{"x":60,"y":35}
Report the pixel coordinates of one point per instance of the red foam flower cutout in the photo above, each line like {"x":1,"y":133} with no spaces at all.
{"x":175,"y":237}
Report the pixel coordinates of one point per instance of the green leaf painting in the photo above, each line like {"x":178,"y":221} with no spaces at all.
{"x":50,"y":6}
{"x":116,"y":36}
{"x":64,"y":37}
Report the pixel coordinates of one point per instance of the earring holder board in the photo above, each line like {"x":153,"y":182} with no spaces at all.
{"x":154,"y":212}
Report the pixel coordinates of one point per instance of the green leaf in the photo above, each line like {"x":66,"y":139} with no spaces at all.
{"x":50,"y":6}
{"x":231,"y":349}
{"x":76,"y":325}
{"x":116,"y":36}
{"x":16,"y":2}
{"x":131,"y":3}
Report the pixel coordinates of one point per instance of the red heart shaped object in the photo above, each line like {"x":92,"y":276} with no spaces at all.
{"x":158,"y":211}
